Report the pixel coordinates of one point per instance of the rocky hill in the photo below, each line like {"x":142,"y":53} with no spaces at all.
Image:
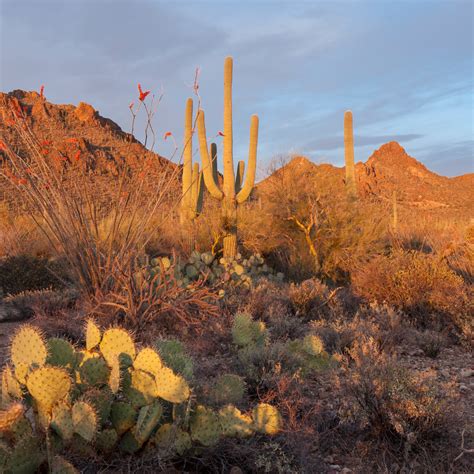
{"x":387,"y":170}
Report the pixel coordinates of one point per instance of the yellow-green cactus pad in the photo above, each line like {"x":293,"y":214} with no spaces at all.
{"x":28,"y":347}
{"x":148,"y":418}
{"x":21,"y":372}
{"x":148,"y":360}
{"x":142,"y":390}
{"x":61,"y":421}
{"x":61,"y":466}
{"x":93,"y":335}
{"x":171,"y":387}
{"x":60,"y":353}
{"x":205,"y":426}
{"x":171,"y":438}
{"x":313,"y":345}
{"x":10,"y":385}
{"x":129,"y":444}
{"x":10,"y":416}
{"x":234,"y":422}
{"x":266,"y":419}
{"x":115,"y":343}
{"x":115,"y":377}
{"x":123,"y":416}
{"x":25,"y":457}
{"x":106,"y":440}
{"x":48,"y":386}
{"x":84,"y":419}
{"x":101,"y":400}
{"x":94,"y":371}
{"x":228,"y":388}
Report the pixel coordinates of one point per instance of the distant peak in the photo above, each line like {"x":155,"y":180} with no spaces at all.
{"x":300,"y":161}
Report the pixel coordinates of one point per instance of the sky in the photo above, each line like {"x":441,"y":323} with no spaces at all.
{"x":404,"y":67}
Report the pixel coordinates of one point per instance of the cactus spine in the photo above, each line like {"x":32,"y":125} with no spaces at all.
{"x":229,"y":196}
{"x":349,"y":155}
{"x":191,"y":198}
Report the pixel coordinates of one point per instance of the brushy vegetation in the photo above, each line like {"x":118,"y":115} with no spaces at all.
{"x":306,"y":351}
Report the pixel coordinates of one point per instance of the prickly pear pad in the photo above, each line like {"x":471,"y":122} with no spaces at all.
{"x":28,"y":347}
{"x":116,"y":342}
{"x":48,"y":386}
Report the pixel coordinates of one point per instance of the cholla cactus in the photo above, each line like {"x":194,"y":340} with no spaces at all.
{"x":233,"y":192}
{"x":192,"y":189}
{"x":349,"y":155}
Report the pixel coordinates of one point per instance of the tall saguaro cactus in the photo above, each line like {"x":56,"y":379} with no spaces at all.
{"x":191,"y":198}
{"x":394,"y":211}
{"x":349,"y":155}
{"x":233,"y":192}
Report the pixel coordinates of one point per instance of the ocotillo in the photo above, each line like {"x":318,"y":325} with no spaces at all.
{"x":349,"y":155}
{"x":228,"y":195}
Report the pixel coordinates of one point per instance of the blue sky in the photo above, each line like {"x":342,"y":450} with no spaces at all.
{"x":405,"y":69}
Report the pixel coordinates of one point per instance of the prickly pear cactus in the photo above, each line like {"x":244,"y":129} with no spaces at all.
{"x":172,"y":439}
{"x":93,"y":335}
{"x":266,"y":419}
{"x":27,"y":350}
{"x":117,"y":344}
{"x":205,"y":426}
{"x":108,"y":396}
{"x":228,"y":388}
{"x":234,"y":423}
{"x":247,"y":332}
{"x":48,"y":386}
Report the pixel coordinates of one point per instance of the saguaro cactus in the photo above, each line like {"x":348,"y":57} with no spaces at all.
{"x":229,"y":195}
{"x":191,"y":198}
{"x":349,"y":155}
{"x":394,"y":211}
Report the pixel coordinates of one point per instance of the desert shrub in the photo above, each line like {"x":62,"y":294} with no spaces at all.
{"x":422,"y":286}
{"x":431,"y":343}
{"x":401,"y":407}
{"x":23,"y":273}
{"x":307,"y":296}
{"x":310,"y":230}
{"x":145,"y":294}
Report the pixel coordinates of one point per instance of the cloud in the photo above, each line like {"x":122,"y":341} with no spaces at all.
{"x":450,"y":160}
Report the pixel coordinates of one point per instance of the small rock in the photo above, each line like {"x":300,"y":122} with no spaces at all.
{"x":463,"y":388}
{"x":466,"y":373}
{"x":335,"y":467}
{"x":346,"y":470}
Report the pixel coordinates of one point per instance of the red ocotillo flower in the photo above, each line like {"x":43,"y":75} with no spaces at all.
{"x":2,"y":145}
{"x":77,"y":156}
{"x":167,"y":134}
{"x":42,"y":92}
{"x":22,"y":181}
{"x":130,"y":106}
{"x":220,"y":134}
{"x":142,"y":95}
{"x":72,"y":140}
